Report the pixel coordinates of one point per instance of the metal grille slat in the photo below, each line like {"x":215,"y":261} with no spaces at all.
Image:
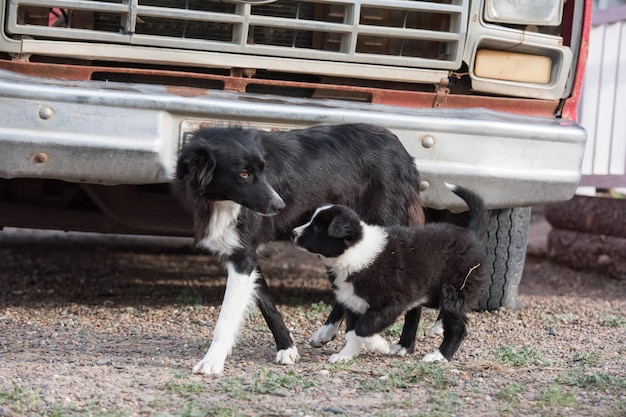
{"x":428,"y":34}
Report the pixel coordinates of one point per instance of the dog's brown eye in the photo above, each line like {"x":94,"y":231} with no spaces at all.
{"x":244,"y":173}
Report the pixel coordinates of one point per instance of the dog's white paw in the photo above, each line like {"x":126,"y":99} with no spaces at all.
{"x":376,"y":343}
{"x":324,"y":335}
{"x":436,"y":329}
{"x":434,"y":357}
{"x":397,"y":350}
{"x":209,"y":366}
{"x":339,"y":357}
{"x":287,"y":356}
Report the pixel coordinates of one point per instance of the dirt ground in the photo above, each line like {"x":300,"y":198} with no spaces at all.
{"x":93,"y":326}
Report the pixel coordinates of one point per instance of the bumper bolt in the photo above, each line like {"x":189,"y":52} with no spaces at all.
{"x":40,"y":158}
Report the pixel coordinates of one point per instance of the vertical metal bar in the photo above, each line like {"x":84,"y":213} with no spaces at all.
{"x":130,"y":20}
{"x":186,"y":20}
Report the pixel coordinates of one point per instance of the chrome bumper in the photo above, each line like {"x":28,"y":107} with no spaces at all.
{"x":110,"y":133}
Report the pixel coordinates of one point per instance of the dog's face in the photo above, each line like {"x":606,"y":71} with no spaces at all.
{"x":331,"y":230}
{"x":226,"y":164}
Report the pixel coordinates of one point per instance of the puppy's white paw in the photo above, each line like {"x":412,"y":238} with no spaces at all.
{"x":376,"y":343}
{"x":436,"y":329}
{"x":398,"y":350}
{"x":434,"y":357}
{"x":324,"y":335}
{"x":287,"y":356}
{"x":209,"y":366}
{"x":338,"y":357}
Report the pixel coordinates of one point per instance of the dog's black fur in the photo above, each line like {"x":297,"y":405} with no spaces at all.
{"x":379,"y":273}
{"x":247,"y":187}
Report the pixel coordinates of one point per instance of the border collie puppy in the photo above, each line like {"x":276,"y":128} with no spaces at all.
{"x":248,"y":187}
{"x":378,"y":273}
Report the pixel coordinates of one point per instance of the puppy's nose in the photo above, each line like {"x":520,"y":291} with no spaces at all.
{"x":294,"y":233}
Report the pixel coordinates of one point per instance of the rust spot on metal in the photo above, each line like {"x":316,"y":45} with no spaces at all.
{"x":40,"y":158}
{"x":388,"y":96}
{"x":185,"y":91}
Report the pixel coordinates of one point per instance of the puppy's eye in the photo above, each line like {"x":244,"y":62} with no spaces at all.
{"x":244,"y":173}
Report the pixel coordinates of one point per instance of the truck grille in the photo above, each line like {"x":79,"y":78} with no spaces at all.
{"x":424,"y":34}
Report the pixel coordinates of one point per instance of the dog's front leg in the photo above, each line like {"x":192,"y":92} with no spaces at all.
{"x":330,"y":328}
{"x":287,"y":352}
{"x":239,"y":297}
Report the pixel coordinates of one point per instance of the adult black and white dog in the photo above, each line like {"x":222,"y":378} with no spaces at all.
{"x":247,"y":187}
{"x":380,"y":272}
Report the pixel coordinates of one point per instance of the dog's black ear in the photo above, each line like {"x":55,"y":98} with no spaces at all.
{"x":342,"y":227}
{"x":198,"y":164}
{"x":182,"y":169}
{"x":203,"y":167}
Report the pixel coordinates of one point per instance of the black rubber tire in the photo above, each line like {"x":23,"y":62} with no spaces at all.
{"x":506,"y":251}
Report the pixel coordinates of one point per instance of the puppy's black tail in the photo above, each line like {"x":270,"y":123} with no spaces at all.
{"x":478,"y":214}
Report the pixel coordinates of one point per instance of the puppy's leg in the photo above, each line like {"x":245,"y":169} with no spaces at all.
{"x":353,"y":345}
{"x":406,"y":344}
{"x":287,"y":352}
{"x":454,"y":323}
{"x":330,"y":328}
{"x":376,"y":343}
{"x":351,"y":350}
{"x":437,"y":328}
{"x":373,"y":322}
{"x":238,"y":298}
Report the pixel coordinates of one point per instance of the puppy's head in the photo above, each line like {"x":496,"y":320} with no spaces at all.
{"x":331,"y":231}
{"x":225,"y":164}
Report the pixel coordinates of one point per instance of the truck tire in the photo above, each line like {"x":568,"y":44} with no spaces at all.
{"x":506,"y":251}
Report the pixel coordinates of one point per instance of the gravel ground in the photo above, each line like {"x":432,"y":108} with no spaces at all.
{"x":112,"y":326}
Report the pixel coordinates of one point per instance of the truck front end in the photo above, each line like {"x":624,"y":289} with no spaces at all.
{"x":96,"y":98}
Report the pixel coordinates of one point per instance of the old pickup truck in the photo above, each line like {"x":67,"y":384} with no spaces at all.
{"x":97,"y":97}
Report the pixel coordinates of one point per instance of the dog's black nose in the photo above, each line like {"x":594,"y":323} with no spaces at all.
{"x":278,"y":204}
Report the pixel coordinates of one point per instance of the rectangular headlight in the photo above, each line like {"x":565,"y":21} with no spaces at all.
{"x":524,"y":12}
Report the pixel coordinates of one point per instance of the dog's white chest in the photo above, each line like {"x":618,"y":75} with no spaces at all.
{"x":344,"y":291}
{"x":221,"y":235}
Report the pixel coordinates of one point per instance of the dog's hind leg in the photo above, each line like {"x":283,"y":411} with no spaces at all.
{"x":239,"y":297}
{"x":330,"y":328}
{"x":287,"y":352}
{"x":454,"y":323}
{"x":406,"y":344}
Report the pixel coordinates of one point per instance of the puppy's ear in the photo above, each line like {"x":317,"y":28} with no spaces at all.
{"x":342,"y":227}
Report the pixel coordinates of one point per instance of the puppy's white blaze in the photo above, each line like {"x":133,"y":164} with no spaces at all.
{"x":300,"y":229}
{"x":325,"y":334}
{"x":239,"y":297}
{"x":352,"y":349}
{"x":221,"y":236}
{"x":436,"y":356}
{"x":355,"y":259}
